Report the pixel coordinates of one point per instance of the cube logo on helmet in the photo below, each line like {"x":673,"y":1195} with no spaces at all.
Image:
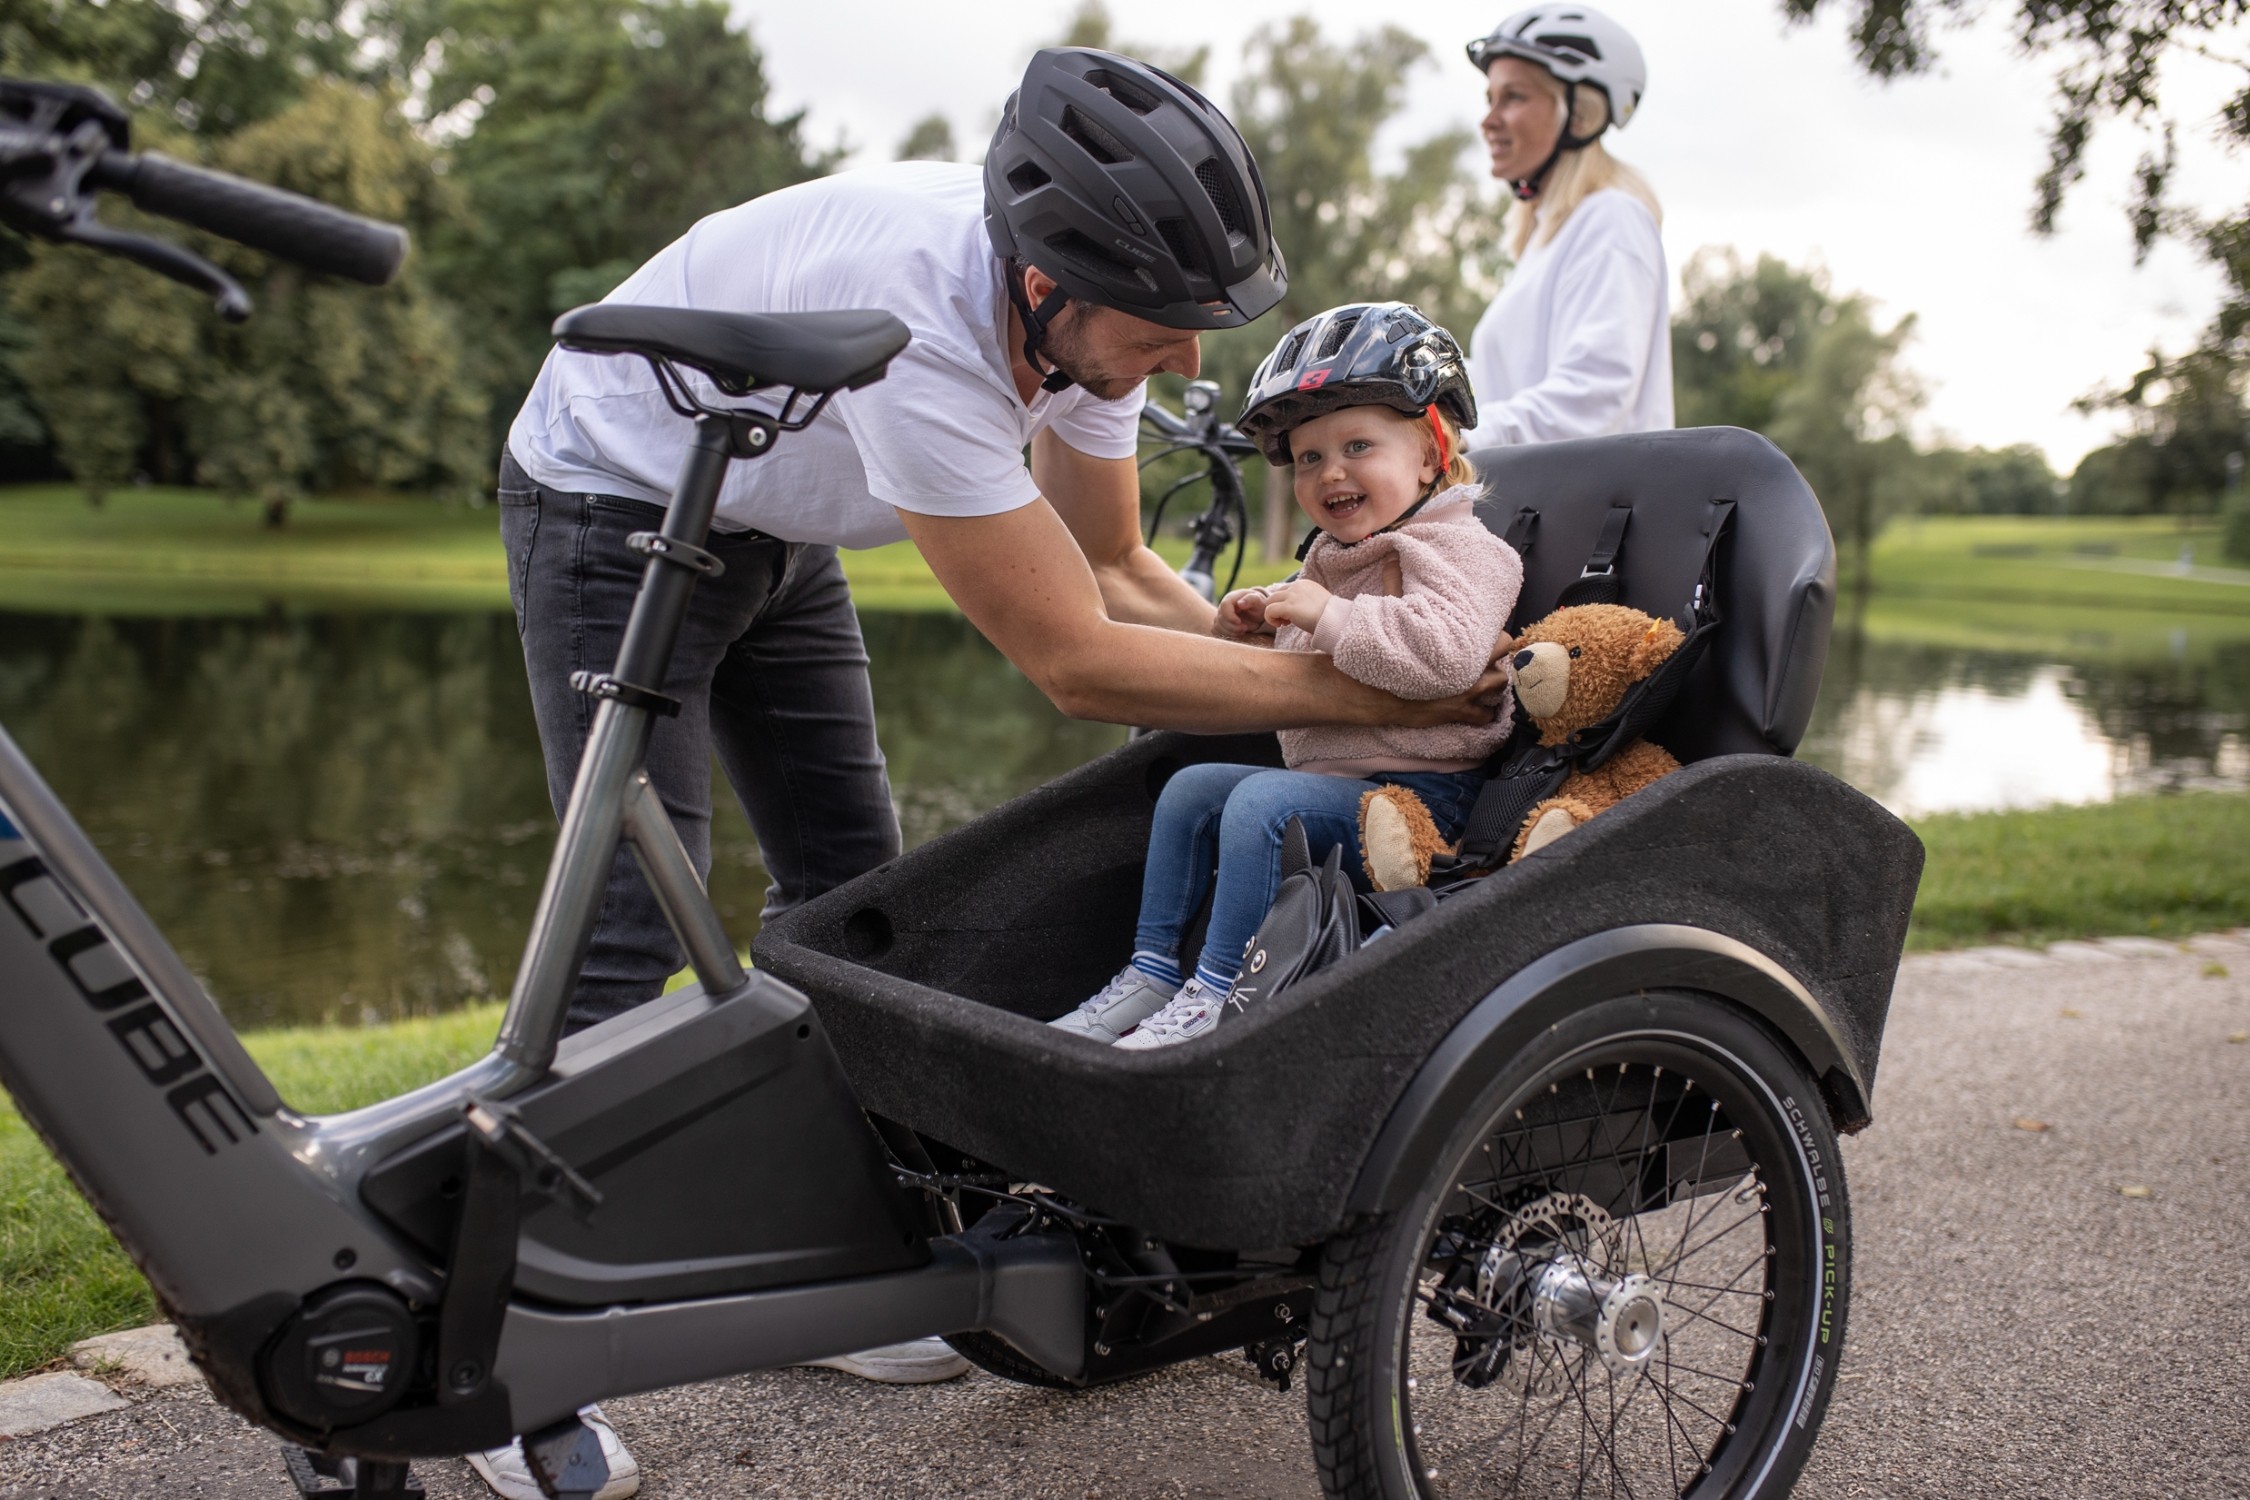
{"x":1578,"y":45}
{"x":1361,"y":354}
{"x":1093,"y":143}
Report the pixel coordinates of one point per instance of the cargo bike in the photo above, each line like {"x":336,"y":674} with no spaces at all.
{"x":1537,"y":1195}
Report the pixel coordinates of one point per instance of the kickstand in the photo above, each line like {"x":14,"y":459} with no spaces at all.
{"x":318,"y":1475}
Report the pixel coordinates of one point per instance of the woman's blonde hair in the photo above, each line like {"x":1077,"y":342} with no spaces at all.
{"x":1576,"y":175}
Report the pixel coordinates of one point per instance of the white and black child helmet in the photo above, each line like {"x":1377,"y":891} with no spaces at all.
{"x":1580,"y":46}
{"x":1360,"y":354}
{"x":1130,"y":190}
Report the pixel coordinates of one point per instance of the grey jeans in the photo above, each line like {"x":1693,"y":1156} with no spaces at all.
{"x":771,"y":675}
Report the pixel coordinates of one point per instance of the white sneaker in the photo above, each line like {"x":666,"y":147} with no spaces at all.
{"x":510,"y":1477}
{"x":918,"y":1362}
{"x":1126,"y":1001}
{"x":1193,"y":1011}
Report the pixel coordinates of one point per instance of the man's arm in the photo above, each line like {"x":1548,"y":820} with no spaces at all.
{"x":1099,"y":500}
{"x":1021,"y":579}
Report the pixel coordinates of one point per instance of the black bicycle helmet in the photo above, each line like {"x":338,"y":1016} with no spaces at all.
{"x":1132,"y":191}
{"x":1360,"y":354}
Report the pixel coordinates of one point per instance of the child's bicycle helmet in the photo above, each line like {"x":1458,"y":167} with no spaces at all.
{"x":1360,"y":354}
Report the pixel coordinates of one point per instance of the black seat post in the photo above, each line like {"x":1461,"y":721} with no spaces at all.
{"x":653,"y":627}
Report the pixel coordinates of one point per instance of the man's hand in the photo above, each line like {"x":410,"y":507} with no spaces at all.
{"x":1299,"y":602}
{"x":1242,"y":617}
{"x":1479,"y":705}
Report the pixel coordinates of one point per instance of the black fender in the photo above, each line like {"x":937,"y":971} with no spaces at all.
{"x":1608,"y":964}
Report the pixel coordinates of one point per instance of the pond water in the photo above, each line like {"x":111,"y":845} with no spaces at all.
{"x":342,"y":817}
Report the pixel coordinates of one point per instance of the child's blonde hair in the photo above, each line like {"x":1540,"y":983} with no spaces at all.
{"x":1458,"y":469}
{"x":1576,"y":175}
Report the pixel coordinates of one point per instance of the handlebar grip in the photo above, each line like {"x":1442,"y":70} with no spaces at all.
{"x":284,"y":225}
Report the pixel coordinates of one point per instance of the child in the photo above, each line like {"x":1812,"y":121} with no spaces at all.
{"x":1403,"y":587}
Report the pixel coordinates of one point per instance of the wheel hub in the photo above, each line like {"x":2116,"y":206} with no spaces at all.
{"x":1620,"y":1319}
{"x":1547,"y":1263}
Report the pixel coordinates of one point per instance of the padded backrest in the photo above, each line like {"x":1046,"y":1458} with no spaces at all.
{"x":1753,"y":691}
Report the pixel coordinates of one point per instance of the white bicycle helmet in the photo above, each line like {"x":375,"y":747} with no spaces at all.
{"x":1577,"y":44}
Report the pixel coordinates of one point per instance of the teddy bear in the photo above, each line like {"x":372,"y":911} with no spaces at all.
{"x":1570,"y":670}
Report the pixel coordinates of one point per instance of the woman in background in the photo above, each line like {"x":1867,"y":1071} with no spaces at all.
{"x":1578,"y":343}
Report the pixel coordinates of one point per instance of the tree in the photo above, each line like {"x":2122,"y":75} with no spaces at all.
{"x":2109,"y":63}
{"x":589,"y":135}
{"x":1090,"y":26}
{"x":931,"y":139}
{"x":330,"y":384}
{"x":1427,"y":232}
{"x":2186,"y":413}
{"x":1740,"y":339}
{"x":1772,"y":348}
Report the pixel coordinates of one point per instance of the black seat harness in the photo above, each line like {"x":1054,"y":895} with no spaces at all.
{"x":1523,"y":773}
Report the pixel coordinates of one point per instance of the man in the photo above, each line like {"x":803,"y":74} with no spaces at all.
{"x":1118,"y":214}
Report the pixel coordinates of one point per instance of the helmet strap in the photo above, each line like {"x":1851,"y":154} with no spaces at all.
{"x":1528,"y":188}
{"x":1444,"y":448}
{"x":1035,"y":324}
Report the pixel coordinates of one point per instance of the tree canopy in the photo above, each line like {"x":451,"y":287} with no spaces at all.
{"x":538,"y":150}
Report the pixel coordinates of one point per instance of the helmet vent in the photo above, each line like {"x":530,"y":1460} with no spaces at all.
{"x":1287,"y":359}
{"x":1029,"y":177}
{"x":1126,"y":92}
{"x":1179,"y":238}
{"x":1098,"y":142}
{"x":1089,"y":257}
{"x":1221,"y":195}
{"x":1582,"y":45}
{"x":1338,"y":331}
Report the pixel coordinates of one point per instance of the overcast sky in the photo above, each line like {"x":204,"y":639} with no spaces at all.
{"x":1755,"y":135}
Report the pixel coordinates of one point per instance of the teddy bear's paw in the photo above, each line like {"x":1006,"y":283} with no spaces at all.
{"x":1398,"y":839}
{"x":1551,"y":825}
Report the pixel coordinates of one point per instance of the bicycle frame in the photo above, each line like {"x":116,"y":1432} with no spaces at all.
{"x":254,"y":1224}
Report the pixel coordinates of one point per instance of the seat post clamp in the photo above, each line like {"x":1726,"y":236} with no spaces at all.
{"x":602,"y":685}
{"x":656,"y":545}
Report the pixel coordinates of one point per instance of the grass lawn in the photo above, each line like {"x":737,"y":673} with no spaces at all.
{"x":181,"y":551}
{"x":2075,"y":563}
{"x":2166,"y":866}
{"x":62,"y":1278}
{"x":161,"y":551}
{"x":2159,"y":865}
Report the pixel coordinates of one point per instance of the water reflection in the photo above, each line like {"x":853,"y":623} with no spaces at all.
{"x":1926,"y":729}
{"x":343,"y":817}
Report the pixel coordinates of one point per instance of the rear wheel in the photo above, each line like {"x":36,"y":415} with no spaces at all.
{"x":1626,"y":1277}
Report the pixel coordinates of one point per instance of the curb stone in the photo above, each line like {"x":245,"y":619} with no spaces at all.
{"x":38,"y":1402}
{"x":153,"y":1357}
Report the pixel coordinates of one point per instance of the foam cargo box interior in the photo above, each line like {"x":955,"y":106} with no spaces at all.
{"x":933,"y":976}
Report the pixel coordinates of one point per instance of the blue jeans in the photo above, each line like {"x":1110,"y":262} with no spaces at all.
{"x":1226,"y":820}
{"x":772,"y":680}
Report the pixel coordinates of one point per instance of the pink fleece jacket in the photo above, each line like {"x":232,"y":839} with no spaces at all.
{"x":1456,"y":584}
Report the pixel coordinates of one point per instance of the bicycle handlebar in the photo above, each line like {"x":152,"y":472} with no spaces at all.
{"x":300,"y":230}
{"x":60,"y":144}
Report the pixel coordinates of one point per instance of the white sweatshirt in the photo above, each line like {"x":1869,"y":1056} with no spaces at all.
{"x":1579,"y":341}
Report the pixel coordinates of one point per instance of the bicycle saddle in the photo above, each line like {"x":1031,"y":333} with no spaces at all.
{"x":813,"y":351}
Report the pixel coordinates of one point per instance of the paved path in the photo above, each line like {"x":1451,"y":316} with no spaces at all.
{"x":2023,"y":1325}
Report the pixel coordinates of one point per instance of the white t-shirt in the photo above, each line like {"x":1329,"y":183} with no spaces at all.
{"x":942,"y":434}
{"x":1579,"y":341}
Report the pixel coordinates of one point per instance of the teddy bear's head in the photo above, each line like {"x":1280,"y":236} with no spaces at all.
{"x":1572,"y":668}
